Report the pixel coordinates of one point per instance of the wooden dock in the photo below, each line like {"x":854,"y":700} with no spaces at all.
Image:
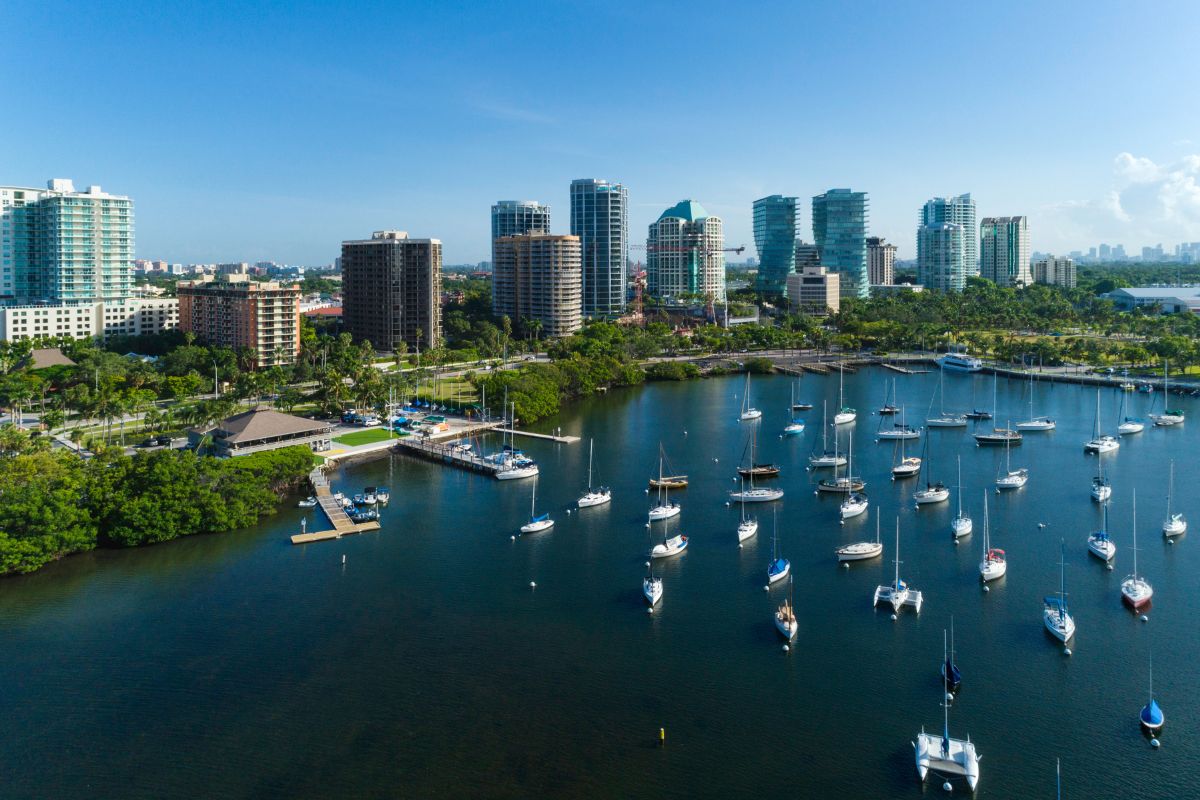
{"x":901,"y":370}
{"x":816,"y":369}
{"x":446,"y":453}
{"x":551,"y":437}
{"x":342,"y":524}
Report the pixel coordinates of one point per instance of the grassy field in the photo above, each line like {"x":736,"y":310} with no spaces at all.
{"x":366,"y":436}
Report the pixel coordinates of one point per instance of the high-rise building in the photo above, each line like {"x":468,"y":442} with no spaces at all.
{"x":947,"y":269}
{"x":807,"y":255}
{"x":1055,"y":271}
{"x":775,"y":238}
{"x":63,"y":246}
{"x":684,"y":253}
{"x":236,"y":312}
{"x":839,"y":219}
{"x":814,"y":290}
{"x":539,"y":277}
{"x":600,"y":218}
{"x":1105,"y":252}
{"x":881,"y":261}
{"x":514,"y":217}
{"x":1004,"y":251}
{"x":391,"y":291}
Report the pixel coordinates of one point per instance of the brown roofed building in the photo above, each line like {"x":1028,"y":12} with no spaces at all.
{"x":263,"y":429}
{"x":234,"y":311}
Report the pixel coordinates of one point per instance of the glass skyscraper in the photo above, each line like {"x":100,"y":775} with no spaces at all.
{"x":949,"y":268}
{"x":1004,"y":251}
{"x":600,"y":218}
{"x":775,"y":238}
{"x":839,"y":219}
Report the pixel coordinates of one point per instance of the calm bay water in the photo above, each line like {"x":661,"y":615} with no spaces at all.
{"x":426,"y":666}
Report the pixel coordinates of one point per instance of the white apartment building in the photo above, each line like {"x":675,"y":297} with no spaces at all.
{"x":129,"y":317}
{"x":684,"y":253}
{"x":1004,"y":251}
{"x":1055,"y":270}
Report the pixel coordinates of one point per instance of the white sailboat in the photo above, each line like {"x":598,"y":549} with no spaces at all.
{"x":536,"y":523}
{"x":860,"y":551}
{"x":998,"y":436}
{"x":845,"y":415}
{"x":748,"y":526}
{"x":943,"y":755}
{"x":904,"y":466}
{"x":513,"y":464}
{"x":943,"y":419}
{"x":796,"y":426}
{"x":748,"y":411}
{"x":664,"y":508}
{"x":594,"y":497}
{"x":1101,"y":489}
{"x":1129,"y":425}
{"x":962,"y":525}
{"x":652,"y":585}
{"x":1136,"y":591}
{"x":1100,"y":544}
{"x":898,"y":593}
{"x":669,"y":547}
{"x":1173,"y":524}
{"x":827,"y":458}
{"x":779,"y":567}
{"x":994,"y":563}
{"x":934,"y":491}
{"x":785,"y":616}
{"x":855,"y":503}
{"x":1100,"y":442}
{"x":1035,"y":423}
{"x":1168,"y":416}
{"x":1011,"y":478}
{"x":1055,"y":616}
{"x":901,"y":430}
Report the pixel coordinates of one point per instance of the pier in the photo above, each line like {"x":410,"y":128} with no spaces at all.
{"x":447,"y":454}
{"x":342,"y":524}
{"x":549,"y":436}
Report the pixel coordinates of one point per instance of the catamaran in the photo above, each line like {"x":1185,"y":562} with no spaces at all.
{"x":785,"y":616}
{"x":1101,"y":488}
{"x":1035,"y":423}
{"x":1012,"y":478}
{"x":594,"y":497}
{"x":962,"y":525}
{"x":859,"y":551}
{"x":1173,"y":524}
{"x":898,"y":593}
{"x":1168,"y":416}
{"x":779,"y":567}
{"x":1100,"y":443}
{"x":827,"y":458}
{"x":1136,"y":591}
{"x":994,"y":563}
{"x":845,"y":414}
{"x":1100,"y":544}
{"x":749,"y":412}
{"x":664,"y":508}
{"x":536,"y":523}
{"x":748,"y":526}
{"x":855,"y":503}
{"x":1054,"y":609}
{"x":943,"y":755}
{"x":934,"y":491}
{"x":944,"y":419}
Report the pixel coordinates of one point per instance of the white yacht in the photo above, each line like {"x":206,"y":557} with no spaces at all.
{"x":994,"y":563}
{"x":594,"y":497}
{"x":957,"y":360}
{"x":944,"y":756}
{"x":860,"y":551}
{"x":845,"y":414}
{"x":1054,"y":609}
{"x":962,"y":525}
{"x":1099,"y":543}
{"x":1100,"y":442}
{"x":898,"y":593}
{"x":1173,"y":524}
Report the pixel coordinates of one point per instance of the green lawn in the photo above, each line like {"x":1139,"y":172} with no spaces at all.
{"x":366,"y":436}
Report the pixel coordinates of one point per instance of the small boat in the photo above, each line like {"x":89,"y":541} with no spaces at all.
{"x":796,"y":426}
{"x":747,"y":527}
{"x":827,"y":458}
{"x":994,"y":563}
{"x":594,"y":497}
{"x":907,"y":468}
{"x":359,"y":499}
{"x":1168,"y":417}
{"x":860,"y":551}
{"x":845,"y":415}
{"x":748,"y":412}
{"x":901,"y":430}
{"x":358,"y":517}
{"x":516,"y":470}
{"x":1035,"y":423}
{"x":383,"y":496}
{"x":962,"y":525}
{"x":339,"y":498}
{"x":855,"y":503}
{"x":944,"y":756}
{"x":1099,"y":543}
{"x":1129,"y":425}
{"x":898,"y":593}
{"x":369,"y":496}
{"x":1151,"y":716}
{"x":667,"y":481}
{"x":1054,"y":609}
{"x":1100,"y":443}
{"x":889,"y":409}
{"x":1136,"y":591}
{"x":669,"y":547}
{"x":1173,"y":524}
{"x":1101,"y":488}
{"x":785,"y":617}
{"x":998,"y":436}
{"x":308,"y":502}
{"x":1011,"y":478}
{"x":779,"y":567}
{"x":536,"y":523}
{"x":951,"y":674}
{"x":652,"y":585}
{"x":978,"y":415}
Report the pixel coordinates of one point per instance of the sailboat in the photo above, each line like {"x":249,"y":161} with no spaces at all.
{"x":536,"y":523}
{"x":801,"y":406}
{"x":1151,"y":716}
{"x":934,"y":491}
{"x":748,"y":526}
{"x":594,"y":497}
{"x":995,"y":562}
{"x":1035,"y":423}
{"x":943,"y":755}
{"x":1168,"y":416}
{"x":1174,"y":524}
{"x":796,"y":426}
{"x":828,"y":458}
{"x":785,"y":616}
{"x":905,"y":466}
{"x":754,"y":495}
{"x":855,"y":503}
{"x":749,"y":412}
{"x":844,"y":484}
{"x":962,"y":525}
{"x":1054,"y":609}
{"x":859,"y":551}
{"x":889,"y":409}
{"x":1100,"y":443}
{"x":1136,"y":591}
{"x":664,"y":508}
{"x":898,"y":593}
{"x":1100,"y":544}
{"x":652,"y":585}
{"x":1101,"y":489}
{"x":1128,"y":424}
{"x":756,"y":469}
{"x":1012,"y":478}
{"x":667,"y":481}
{"x":779,"y":567}
{"x":513,"y":464}
{"x":998,"y":436}
{"x":845,"y":414}
{"x":900,"y":430}
{"x":944,"y":420}
{"x":669,"y":547}
{"x":951,"y":674}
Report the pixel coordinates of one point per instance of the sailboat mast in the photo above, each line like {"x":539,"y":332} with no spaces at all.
{"x":945,"y":706}
{"x":1135,"y":547}
{"x":897,"y":558}
{"x":591,"y":447}
{"x":960,"y":486}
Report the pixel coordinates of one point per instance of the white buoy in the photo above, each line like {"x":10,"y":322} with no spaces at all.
{"x":786,"y":648}
{"x":685,"y":433}
{"x":893,"y":617}
{"x":1169,"y":541}
{"x":512,"y":538}
{"x":1066,"y":651}
{"x":1108,"y":567}
{"x":949,"y":698}
{"x":1041,"y":524}
{"x":842,"y":522}
{"x":1144,"y":618}
{"x":727,"y":504}
{"x":956,"y":541}
{"x":533,"y":584}
{"x":647,"y":565}
{"x":845,"y":565}
{"x":767,"y":588}
{"x":986,"y":589}
{"x":1155,"y":743}
{"x":650,"y":610}
{"x":343,"y":558}
{"x":947,"y":786}
{"x":647,"y":524}
{"x":568,"y":512}
{"x":716,"y":460}
{"x":647,"y":491}
{"x":740,"y":545}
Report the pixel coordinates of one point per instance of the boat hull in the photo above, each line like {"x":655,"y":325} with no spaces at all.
{"x":859,"y":551}
{"x":961,"y":527}
{"x":593,"y":499}
{"x":930,"y":496}
{"x":516,"y":473}
{"x":1037,"y":425}
{"x":821,"y":462}
{"x":672,"y":547}
{"x":1103,"y":549}
{"x":1175,"y":526}
{"x":752,"y":414}
{"x":537,"y":527}
{"x":1063,"y":632}
{"x":663,"y":512}
{"x":747,"y":529}
{"x":677,"y":482}
{"x":946,"y":422}
{"x":787,"y":628}
{"x":756,"y":496}
{"x":960,"y":760}
{"x":894,"y":435}
{"x":992,"y":570}
{"x":1105,"y":444}
{"x":844,"y":418}
{"x":652,"y":590}
{"x":1136,"y":593}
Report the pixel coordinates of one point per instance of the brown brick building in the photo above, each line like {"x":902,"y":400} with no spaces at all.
{"x":233,"y":311}
{"x":391,"y":291}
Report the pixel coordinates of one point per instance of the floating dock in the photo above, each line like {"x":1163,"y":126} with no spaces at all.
{"x":448,"y":454}
{"x":549,"y":436}
{"x":342,"y":524}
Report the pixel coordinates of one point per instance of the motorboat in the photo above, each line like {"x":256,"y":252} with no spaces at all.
{"x":860,"y":551}
{"x":383,"y":496}
{"x":958,"y":360}
{"x":1173,"y":524}
{"x":308,"y":502}
{"x":994,"y":563}
{"x":898,"y":593}
{"x":1136,"y":591}
{"x":670,"y":547}
{"x":945,"y":756}
{"x":1054,"y":609}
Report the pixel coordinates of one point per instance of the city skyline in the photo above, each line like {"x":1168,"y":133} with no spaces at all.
{"x":232,"y":143}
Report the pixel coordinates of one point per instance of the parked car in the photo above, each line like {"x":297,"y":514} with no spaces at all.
{"x":162,"y":441}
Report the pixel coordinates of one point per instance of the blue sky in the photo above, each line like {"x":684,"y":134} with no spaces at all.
{"x":249,"y":131}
